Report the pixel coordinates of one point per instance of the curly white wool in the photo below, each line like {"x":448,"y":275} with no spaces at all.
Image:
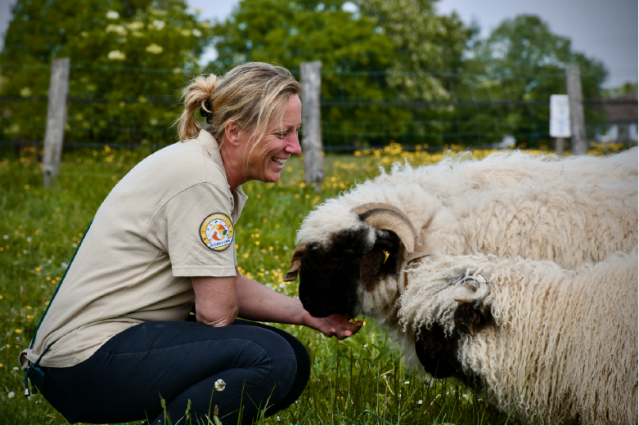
{"x":564,"y":342}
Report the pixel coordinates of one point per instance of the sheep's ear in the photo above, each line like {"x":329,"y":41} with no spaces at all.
{"x":390,"y":218}
{"x":470,"y":316}
{"x":296,"y":262}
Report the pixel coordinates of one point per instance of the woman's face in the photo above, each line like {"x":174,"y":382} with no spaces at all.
{"x":267,"y":159}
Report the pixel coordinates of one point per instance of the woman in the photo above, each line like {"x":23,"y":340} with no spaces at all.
{"x":115,"y":342}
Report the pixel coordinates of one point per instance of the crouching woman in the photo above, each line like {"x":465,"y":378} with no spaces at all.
{"x":115,"y":342}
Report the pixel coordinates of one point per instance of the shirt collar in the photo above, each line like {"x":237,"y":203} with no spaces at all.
{"x":213,"y":148}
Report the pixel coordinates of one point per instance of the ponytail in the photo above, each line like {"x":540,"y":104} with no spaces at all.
{"x":196,"y":95}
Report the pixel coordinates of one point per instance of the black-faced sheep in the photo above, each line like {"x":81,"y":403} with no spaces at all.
{"x":553,"y":343}
{"x":353,"y":251}
{"x":356,"y":245}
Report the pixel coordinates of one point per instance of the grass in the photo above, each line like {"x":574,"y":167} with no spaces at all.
{"x":357,"y":381}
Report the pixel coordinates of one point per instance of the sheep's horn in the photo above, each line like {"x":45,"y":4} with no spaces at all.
{"x":296,"y":262}
{"x":476,"y":282}
{"x":384,"y":216}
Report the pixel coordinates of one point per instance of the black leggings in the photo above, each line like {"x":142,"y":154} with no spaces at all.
{"x":178,"y":361}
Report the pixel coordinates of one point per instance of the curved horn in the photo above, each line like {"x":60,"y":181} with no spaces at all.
{"x":478,"y":284}
{"x":296,"y":262}
{"x":384,"y":216}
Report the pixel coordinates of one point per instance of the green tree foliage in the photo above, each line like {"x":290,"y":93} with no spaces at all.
{"x":424,"y":45}
{"x":522,"y":60}
{"x":128,"y":57}
{"x":370,"y":53}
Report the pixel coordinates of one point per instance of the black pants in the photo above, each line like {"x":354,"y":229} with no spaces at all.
{"x":175,"y":361}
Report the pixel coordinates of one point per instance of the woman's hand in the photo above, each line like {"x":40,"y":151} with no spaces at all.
{"x":337,"y":325}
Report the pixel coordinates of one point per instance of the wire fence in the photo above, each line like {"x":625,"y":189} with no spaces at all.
{"x":130,"y":107}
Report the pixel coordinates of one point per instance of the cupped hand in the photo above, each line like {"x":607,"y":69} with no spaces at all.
{"x":337,"y":325}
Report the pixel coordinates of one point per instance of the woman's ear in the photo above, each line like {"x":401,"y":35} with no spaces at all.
{"x":232,"y":133}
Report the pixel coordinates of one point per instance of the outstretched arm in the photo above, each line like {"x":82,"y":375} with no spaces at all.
{"x":260,"y":303}
{"x":218,"y":300}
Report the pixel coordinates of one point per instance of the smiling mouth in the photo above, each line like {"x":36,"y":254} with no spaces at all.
{"x":279,"y":161}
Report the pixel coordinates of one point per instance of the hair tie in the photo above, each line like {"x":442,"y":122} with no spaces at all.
{"x":206,"y":111}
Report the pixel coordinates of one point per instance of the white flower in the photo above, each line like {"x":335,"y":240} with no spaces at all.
{"x":136,"y":25}
{"x":29,"y":239}
{"x":220,"y":385}
{"x":25,"y":92}
{"x":15,"y":368}
{"x":154,"y":49}
{"x":6,"y":237}
{"x":116,"y":55}
{"x":116,"y":29}
{"x":197,"y":33}
{"x":12,"y":394}
{"x":112,"y":14}
{"x":278,"y":418}
{"x":64,"y":264}
{"x":407,"y":382}
{"x":159,"y":24}
{"x":420,"y":402}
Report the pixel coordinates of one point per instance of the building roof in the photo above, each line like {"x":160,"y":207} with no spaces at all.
{"x":622,"y":109}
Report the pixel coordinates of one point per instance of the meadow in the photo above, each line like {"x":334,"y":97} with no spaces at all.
{"x":360,"y":380}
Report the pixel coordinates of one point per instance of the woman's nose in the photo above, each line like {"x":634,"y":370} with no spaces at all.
{"x":294,"y":147}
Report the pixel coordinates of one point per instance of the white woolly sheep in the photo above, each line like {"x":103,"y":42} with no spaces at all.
{"x":353,"y":250}
{"x":577,"y":210}
{"x":553,"y":343}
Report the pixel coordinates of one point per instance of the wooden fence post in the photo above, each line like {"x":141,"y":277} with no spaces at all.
{"x":312,"y":129}
{"x":56,"y":119}
{"x":577,"y":124}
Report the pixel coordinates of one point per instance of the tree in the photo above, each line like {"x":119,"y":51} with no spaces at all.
{"x":363,"y":50}
{"x":522,"y":60}
{"x":127,"y":62}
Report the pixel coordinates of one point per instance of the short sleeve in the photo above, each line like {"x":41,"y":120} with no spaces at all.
{"x":200,"y":233}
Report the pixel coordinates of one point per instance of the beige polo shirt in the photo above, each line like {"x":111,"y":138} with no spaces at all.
{"x":170,"y":218}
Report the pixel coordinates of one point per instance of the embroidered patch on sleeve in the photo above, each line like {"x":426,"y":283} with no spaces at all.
{"x":217,"y":231}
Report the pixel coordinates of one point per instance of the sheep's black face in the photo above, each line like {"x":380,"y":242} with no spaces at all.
{"x":329,"y":275}
{"x":437,"y":352}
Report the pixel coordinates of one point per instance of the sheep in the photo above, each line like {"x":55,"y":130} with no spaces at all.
{"x":355,"y":253}
{"x":558,"y":344}
{"x":356,"y":245}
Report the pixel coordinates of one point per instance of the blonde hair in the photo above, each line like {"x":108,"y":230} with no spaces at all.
{"x":253,"y":94}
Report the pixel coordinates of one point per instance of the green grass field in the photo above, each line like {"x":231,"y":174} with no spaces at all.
{"x":360,"y":380}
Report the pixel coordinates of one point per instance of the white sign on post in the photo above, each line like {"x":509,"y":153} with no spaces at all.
{"x":559,"y":116}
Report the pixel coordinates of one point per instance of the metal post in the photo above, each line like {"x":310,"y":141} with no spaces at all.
{"x":56,"y":119}
{"x":578,"y":128}
{"x":312,"y":130}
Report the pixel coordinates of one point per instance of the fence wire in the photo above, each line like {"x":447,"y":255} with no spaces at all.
{"x":129,"y":107}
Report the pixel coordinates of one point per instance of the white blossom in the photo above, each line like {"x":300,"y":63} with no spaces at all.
{"x":159,"y":24}
{"x":11,"y":394}
{"x":136,"y":25}
{"x":112,"y":14}
{"x":154,"y":49}
{"x":115,"y":55}
{"x":220,"y":385}
{"x":197,"y":33}
{"x":119,"y":29}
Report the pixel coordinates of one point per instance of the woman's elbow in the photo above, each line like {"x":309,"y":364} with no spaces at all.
{"x":221,"y":318}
